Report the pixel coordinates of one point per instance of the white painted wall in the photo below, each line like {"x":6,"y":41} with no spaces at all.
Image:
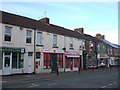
{"x":19,"y":41}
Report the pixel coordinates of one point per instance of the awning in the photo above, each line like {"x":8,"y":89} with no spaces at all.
{"x":73,"y":56}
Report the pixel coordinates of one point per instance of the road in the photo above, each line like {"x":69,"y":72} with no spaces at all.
{"x":101,"y":79}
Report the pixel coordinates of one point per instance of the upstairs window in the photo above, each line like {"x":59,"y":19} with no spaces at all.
{"x":71,"y":42}
{"x":29,"y":36}
{"x":7,"y":35}
{"x":81,"y":45}
{"x":39,"y":38}
{"x":54,"y":40}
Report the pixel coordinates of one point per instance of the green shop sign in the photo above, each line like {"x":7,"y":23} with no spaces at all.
{"x":12,"y":50}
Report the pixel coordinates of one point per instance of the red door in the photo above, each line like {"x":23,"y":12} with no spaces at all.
{"x":71,"y":64}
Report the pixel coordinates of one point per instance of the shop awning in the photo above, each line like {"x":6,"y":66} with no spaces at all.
{"x":73,"y":56}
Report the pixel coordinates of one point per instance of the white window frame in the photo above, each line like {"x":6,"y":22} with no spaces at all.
{"x":29,"y":36}
{"x":9,"y":34}
{"x":39,"y":38}
{"x":54,"y":40}
{"x":81,"y":44}
{"x":71,"y":42}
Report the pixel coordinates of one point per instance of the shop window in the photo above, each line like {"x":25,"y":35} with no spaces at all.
{"x":1,"y":60}
{"x":14,"y":60}
{"x":39,"y":38}
{"x":7,"y":35}
{"x":29,"y":36}
{"x":21,"y":61}
{"x":17,"y":60}
{"x":60,"y":60}
{"x":47,"y":62}
{"x":76,"y":62}
{"x":38,"y":55}
{"x":68,"y":62}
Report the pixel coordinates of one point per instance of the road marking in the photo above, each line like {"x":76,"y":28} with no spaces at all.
{"x":114,"y":82}
{"x":109,"y":84}
{"x":53,"y":84}
{"x":103,"y":86}
{"x":34,"y":85}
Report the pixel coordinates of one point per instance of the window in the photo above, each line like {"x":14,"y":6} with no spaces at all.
{"x":29,"y":36}
{"x":21,"y":61}
{"x":47,"y":62}
{"x":71,"y":42}
{"x":1,"y":60}
{"x":30,"y":53}
{"x":81,"y":45}
{"x":39,"y":38}
{"x":98,"y":47}
{"x":7,"y":35}
{"x":60,"y":60}
{"x":17,"y":60}
{"x":38,"y":55}
{"x":54,"y":40}
{"x":76,"y":62}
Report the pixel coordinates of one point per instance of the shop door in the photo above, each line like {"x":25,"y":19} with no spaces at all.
{"x":30,"y":62}
{"x":54,"y":62}
{"x":71,"y":64}
{"x":7,"y":64}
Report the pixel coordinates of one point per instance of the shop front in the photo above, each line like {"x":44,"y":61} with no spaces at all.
{"x":91,"y":61}
{"x":72,"y":61}
{"x":12,"y":60}
{"x":103,"y":60}
{"x":53,"y":60}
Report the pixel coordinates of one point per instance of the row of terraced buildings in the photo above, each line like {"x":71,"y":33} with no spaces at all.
{"x":36,"y":46}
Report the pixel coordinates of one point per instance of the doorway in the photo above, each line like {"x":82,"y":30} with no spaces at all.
{"x":54,"y":62}
{"x":7,"y":57}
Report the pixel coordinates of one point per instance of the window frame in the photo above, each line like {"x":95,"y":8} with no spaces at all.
{"x":8,"y":34}
{"x":28,"y":36}
{"x":40,"y":41}
{"x":39,"y":55}
{"x":54,"y":40}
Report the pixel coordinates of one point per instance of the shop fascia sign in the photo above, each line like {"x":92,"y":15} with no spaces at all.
{"x":71,"y":53}
{"x":102,"y":56}
{"x":52,"y":51}
{"x":5,"y":49}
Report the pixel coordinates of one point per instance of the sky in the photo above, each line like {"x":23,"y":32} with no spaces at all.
{"x":94,"y":17}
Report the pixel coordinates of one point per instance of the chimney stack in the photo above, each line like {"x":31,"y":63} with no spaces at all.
{"x":80,"y":30}
{"x":45,"y":20}
{"x":99,"y":36}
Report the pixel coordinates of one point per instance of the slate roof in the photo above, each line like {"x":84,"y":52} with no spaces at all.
{"x":110,"y":44}
{"x":12,"y":19}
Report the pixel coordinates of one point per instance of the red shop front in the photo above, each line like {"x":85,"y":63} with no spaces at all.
{"x":72,"y":61}
{"x":53,"y":59}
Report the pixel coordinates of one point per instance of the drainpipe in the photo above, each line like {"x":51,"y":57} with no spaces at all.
{"x":34,"y":51}
{"x":96,"y":51}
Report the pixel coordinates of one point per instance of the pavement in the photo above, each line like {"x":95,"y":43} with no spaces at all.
{"x":47,"y":76}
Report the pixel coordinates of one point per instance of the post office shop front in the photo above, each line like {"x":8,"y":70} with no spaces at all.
{"x":12,"y":60}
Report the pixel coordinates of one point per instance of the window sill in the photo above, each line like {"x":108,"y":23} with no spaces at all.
{"x":55,"y":47}
{"x":39,"y":45}
{"x":29,"y":44}
{"x":8,"y":42}
{"x":71,"y":48}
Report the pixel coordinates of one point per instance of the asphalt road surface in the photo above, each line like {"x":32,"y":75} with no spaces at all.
{"x":101,"y":79}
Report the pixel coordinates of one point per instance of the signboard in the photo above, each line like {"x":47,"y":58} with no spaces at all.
{"x":37,"y":49}
{"x":53,"y":51}
{"x":71,"y":53}
{"x":8,"y":49}
{"x":102,"y":56}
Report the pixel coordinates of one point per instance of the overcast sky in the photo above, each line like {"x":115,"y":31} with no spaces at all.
{"x":94,"y":17}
